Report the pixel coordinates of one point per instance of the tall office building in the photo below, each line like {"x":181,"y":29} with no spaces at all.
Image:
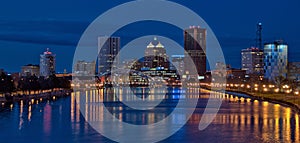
{"x":110,"y":47}
{"x":83,"y":68}
{"x":252,"y":61}
{"x":275,"y":60}
{"x":155,"y":64}
{"x":47,"y":63}
{"x":195,"y":47}
{"x":156,"y":56}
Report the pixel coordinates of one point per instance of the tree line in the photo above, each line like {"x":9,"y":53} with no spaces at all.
{"x":32,"y":83}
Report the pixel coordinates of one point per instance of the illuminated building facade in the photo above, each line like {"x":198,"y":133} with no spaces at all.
{"x":30,"y":70}
{"x":275,"y":60}
{"x":47,"y":63}
{"x":156,"y":64}
{"x":252,"y":61}
{"x":156,"y":56}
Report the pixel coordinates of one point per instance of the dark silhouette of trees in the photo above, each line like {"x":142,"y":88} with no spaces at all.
{"x":64,"y":83}
{"x":33,"y":83}
{"x":29,"y":83}
{"x":6,"y":83}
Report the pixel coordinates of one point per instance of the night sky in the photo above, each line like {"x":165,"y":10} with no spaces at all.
{"x":28,"y":27}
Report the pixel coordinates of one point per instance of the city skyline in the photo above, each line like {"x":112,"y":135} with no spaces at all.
{"x":235,"y":63}
{"x":150,"y":71}
{"x":61,"y":31}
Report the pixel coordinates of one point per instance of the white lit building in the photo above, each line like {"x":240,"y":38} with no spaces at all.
{"x":252,"y":61}
{"x":156,"y":56}
{"x":47,"y":63}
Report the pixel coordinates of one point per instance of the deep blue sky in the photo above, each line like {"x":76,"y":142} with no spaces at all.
{"x":28,"y":27}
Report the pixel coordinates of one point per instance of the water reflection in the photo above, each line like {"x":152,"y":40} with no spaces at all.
{"x":240,"y":119}
{"x":113,"y":99}
{"x":264,"y":121}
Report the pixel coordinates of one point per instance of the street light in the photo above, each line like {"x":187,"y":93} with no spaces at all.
{"x":285,"y":86}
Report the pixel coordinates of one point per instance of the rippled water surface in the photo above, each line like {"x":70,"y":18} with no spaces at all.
{"x":60,"y":120}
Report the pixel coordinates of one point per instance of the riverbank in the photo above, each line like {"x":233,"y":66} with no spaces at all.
{"x":9,"y":98}
{"x":276,"y":98}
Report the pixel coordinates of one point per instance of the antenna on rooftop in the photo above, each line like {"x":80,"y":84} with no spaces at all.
{"x":259,"y":36}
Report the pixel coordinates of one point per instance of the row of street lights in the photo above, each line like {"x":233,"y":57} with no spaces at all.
{"x":267,"y":88}
{"x":258,"y":87}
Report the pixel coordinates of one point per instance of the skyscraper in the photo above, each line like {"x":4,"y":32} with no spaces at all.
{"x":47,"y":63}
{"x":252,"y":61}
{"x":110,"y":47}
{"x":155,"y":64}
{"x":156,"y":56}
{"x":195,"y":47}
{"x":275,"y":60}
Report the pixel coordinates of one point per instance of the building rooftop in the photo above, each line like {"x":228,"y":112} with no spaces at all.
{"x":47,"y":52}
{"x":31,"y":65}
{"x":252,"y":49}
{"x":155,"y":44}
{"x":277,"y":42}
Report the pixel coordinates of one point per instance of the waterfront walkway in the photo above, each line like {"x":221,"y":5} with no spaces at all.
{"x":280,"y":98}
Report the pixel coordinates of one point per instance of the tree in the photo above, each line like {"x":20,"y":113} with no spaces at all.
{"x":64,"y":83}
{"x":280,"y":81}
{"x":53,"y":82}
{"x":6,"y":83}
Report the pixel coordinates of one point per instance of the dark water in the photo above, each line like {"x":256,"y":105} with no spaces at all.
{"x":60,"y":120}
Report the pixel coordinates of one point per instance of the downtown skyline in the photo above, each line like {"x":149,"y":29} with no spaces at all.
{"x":149,"y":71}
{"x":21,"y":37}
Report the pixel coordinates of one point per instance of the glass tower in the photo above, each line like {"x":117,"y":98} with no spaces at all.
{"x":109,"y":48}
{"x":275,"y":60}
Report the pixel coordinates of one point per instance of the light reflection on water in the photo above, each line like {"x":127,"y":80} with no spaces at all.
{"x":239,"y":119}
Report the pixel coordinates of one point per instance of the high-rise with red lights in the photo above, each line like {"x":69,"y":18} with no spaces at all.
{"x":47,"y":63}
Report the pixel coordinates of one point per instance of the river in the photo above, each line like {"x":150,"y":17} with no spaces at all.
{"x":60,"y":120}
